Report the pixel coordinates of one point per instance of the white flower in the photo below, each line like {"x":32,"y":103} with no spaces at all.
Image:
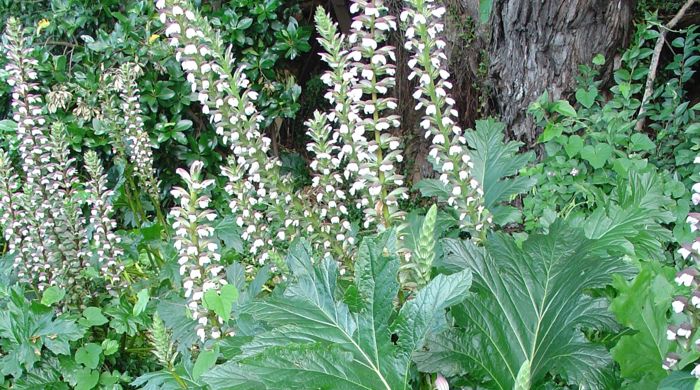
{"x":190,"y":49}
{"x":189,"y":65}
{"x":685,"y":277}
{"x":670,"y":334}
{"x":441,"y":383}
{"x":678,"y":304}
{"x":696,"y":371}
{"x":685,"y":330}
{"x":369,"y":43}
{"x":173,"y":28}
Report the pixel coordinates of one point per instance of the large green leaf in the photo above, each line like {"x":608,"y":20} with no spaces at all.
{"x":631,"y":221}
{"x":496,"y":164}
{"x":642,"y":305}
{"x":313,"y":337}
{"x":529,"y":306}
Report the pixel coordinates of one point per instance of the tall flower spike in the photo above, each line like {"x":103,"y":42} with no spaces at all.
{"x":139,"y":146}
{"x":448,"y":153}
{"x":104,"y":241}
{"x":373,"y":61}
{"x":328,"y":215}
{"x":261,"y":197}
{"x":344,"y":113}
{"x":199,"y":259}
{"x":11,"y":214}
{"x":70,"y":227}
{"x":39,"y":252}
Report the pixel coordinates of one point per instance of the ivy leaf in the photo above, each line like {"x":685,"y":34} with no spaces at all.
{"x":598,"y":59}
{"x":52,"y":295}
{"x":551,"y":130}
{"x":93,"y":317}
{"x":642,"y":143}
{"x":573,"y":145}
{"x":86,"y":379}
{"x":89,"y":355}
{"x":597,"y":155}
{"x":220,"y":302}
{"x":109,"y":347}
{"x":529,"y":305}
{"x":587,"y":96}
{"x":642,"y":305}
{"x":563,"y":107}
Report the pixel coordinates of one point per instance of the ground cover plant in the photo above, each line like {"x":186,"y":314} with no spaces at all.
{"x":161,"y":231}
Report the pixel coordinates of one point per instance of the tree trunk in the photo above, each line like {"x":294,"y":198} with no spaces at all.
{"x":537,"y":45}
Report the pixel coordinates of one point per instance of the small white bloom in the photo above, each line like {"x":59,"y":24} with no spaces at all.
{"x":678,"y":305}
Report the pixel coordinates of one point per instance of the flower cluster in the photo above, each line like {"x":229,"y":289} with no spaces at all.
{"x":139,"y":147}
{"x":73,"y":243}
{"x":688,"y":305}
{"x":38,"y":257}
{"x":105,"y":241}
{"x":326,"y":221}
{"x":42,"y":214}
{"x":12,"y":217}
{"x":260,"y":196}
{"x":372,"y":69}
{"x":693,"y":221}
{"x":356,"y":156}
{"x":448,"y":153}
{"x":199,"y":259}
{"x":33,"y":262}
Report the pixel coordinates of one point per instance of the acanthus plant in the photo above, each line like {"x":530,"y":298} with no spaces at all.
{"x":198,"y":258}
{"x":137,"y":141}
{"x":44,"y":225}
{"x":356,"y":157}
{"x":449,"y":153}
{"x":310,"y":338}
{"x":261,"y":198}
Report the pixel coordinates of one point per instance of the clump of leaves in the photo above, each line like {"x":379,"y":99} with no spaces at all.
{"x":591,"y":144}
{"x":311,"y":336}
{"x":30,"y":332}
{"x":528,"y":311}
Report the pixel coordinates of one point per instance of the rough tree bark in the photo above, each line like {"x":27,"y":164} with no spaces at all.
{"x":537,"y":45}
